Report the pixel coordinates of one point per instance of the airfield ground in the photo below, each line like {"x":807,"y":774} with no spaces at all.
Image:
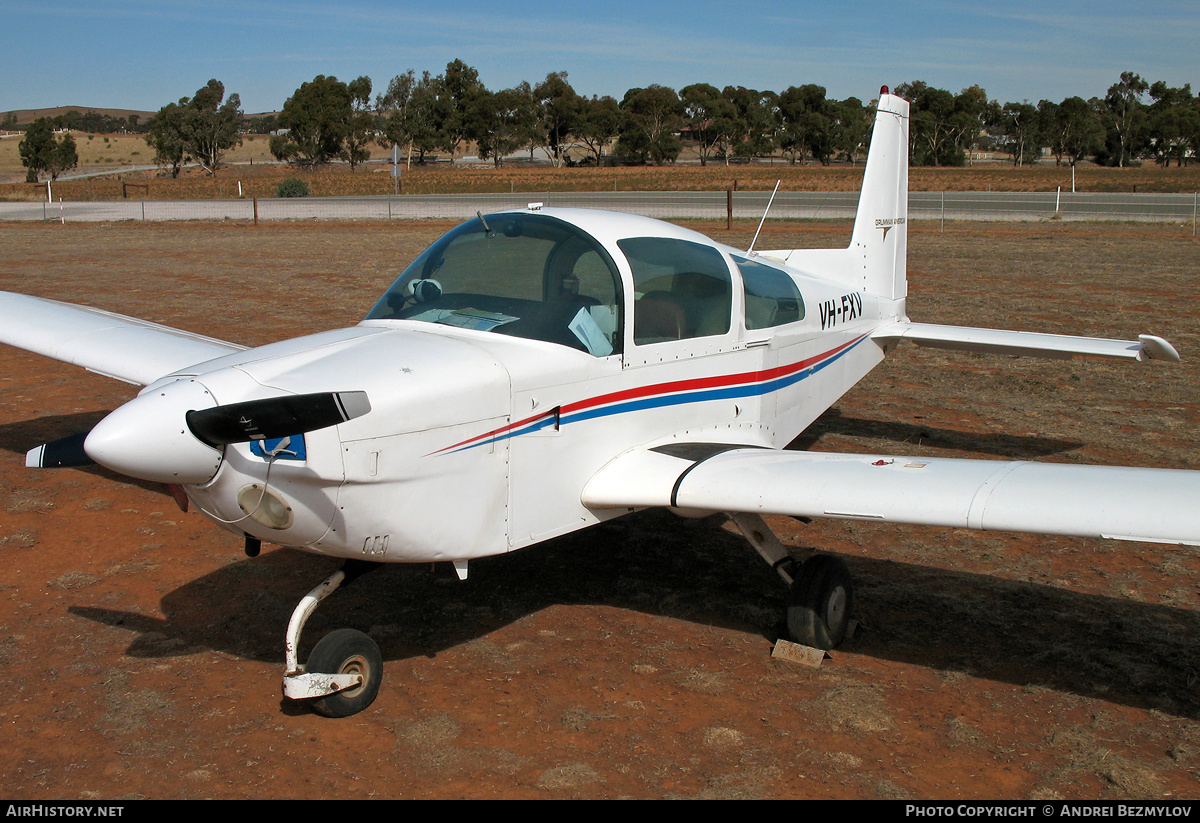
{"x":141,"y":651}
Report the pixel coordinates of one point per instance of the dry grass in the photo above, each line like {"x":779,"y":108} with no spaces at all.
{"x":252,"y":165}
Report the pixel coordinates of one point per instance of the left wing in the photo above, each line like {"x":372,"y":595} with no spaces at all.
{"x":1149,"y":505}
{"x":125,"y":348}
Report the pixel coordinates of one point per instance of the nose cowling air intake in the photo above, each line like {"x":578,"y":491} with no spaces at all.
{"x":177,"y":434}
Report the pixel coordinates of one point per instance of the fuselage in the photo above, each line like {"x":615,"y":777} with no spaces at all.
{"x":494,"y":403}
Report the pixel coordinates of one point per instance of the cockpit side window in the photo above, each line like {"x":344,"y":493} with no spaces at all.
{"x":525,"y":275}
{"x":682,"y":289}
{"x":772,"y":298}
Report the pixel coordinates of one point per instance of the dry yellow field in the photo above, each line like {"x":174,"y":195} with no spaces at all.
{"x":113,"y":155}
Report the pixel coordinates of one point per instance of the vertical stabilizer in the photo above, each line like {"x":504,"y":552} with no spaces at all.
{"x":874,"y":262}
{"x":879,"y":245}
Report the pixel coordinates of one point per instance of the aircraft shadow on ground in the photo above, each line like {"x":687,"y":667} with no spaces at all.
{"x":655,"y":563}
{"x":1022,"y":447}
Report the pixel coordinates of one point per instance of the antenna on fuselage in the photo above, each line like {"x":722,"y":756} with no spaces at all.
{"x":764,"y":218}
{"x":486,"y":228}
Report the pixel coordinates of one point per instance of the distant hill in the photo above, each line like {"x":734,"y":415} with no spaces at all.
{"x":27,"y":116}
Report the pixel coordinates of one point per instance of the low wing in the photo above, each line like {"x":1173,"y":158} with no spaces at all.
{"x":1037,"y":344}
{"x":113,"y":345}
{"x":1150,"y":505}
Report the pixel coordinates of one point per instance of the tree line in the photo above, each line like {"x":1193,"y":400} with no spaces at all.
{"x":326,"y":119}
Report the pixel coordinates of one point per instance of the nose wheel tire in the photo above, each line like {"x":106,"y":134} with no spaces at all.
{"x":347,"y":651}
{"x":822,"y":596}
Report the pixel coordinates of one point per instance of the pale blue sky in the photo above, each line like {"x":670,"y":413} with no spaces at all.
{"x":143,"y":54}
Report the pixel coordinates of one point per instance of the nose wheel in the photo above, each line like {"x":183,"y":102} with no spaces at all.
{"x":345,"y":668}
{"x":347,"y":652}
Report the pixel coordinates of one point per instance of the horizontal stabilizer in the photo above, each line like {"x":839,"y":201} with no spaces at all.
{"x":1150,"y":505}
{"x":1032,"y":344}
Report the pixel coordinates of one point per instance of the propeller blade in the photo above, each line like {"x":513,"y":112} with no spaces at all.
{"x":275,"y":416}
{"x":64,"y":452}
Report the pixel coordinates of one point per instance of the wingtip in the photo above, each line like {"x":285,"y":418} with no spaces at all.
{"x":1157,"y":348}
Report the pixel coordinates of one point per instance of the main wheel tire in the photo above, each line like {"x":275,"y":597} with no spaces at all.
{"x":347,"y":651}
{"x":822,"y":596}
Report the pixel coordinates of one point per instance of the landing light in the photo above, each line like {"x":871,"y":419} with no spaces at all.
{"x":265,"y":507}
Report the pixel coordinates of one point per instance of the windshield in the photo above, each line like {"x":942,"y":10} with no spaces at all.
{"x":525,"y":275}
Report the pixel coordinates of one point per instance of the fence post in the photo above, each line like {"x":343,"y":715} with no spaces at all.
{"x":729,"y":209}
{"x":256,"y":211}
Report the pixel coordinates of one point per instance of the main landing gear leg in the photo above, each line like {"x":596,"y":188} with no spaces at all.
{"x":343,"y":673}
{"x":822,"y":591}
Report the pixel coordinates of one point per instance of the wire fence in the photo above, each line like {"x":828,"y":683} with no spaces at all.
{"x":682,"y":205}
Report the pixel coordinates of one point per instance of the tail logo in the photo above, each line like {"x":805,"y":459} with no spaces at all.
{"x":888,"y":224}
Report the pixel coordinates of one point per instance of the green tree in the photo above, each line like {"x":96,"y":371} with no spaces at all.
{"x":1072,"y":129}
{"x":505,"y":121}
{"x":752,"y":127}
{"x":200,"y":129}
{"x":708,"y":118}
{"x":650,"y":121}
{"x":360,"y":127}
{"x":458,"y":90}
{"x":806,"y":123}
{"x":598,"y":125}
{"x":1172,"y":122}
{"x":411,"y":114}
{"x":166,"y":137}
{"x":851,"y":128}
{"x":1125,"y":118}
{"x":560,"y":109}
{"x":943,"y":125}
{"x":211,"y":125}
{"x":41,"y":152}
{"x":1021,"y":134}
{"x":317,"y":118}
{"x":972,"y":109}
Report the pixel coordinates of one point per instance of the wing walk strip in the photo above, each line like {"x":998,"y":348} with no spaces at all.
{"x":679,"y":392}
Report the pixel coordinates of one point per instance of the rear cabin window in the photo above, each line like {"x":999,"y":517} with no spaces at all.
{"x":682,"y":289}
{"x":772,"y":298}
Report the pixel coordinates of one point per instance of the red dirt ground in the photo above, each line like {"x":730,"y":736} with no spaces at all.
{"x":142,"y":651}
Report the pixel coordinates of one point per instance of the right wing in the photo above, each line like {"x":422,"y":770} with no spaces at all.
{"x":1149,"y":505}
{"x":113,"y":345}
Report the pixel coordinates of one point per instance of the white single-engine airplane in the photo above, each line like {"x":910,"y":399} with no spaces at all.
{"x":541,"y":370}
